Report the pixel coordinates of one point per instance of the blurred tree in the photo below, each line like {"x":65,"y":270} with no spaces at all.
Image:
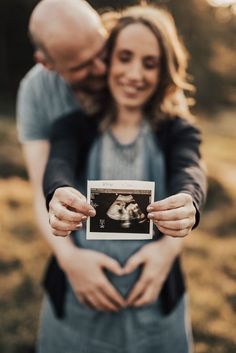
{"x":15,"y":49}
{"x":209,"y":34}
{"x":210,"y":39}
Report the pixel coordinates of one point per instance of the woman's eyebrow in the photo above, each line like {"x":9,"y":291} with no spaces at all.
{"x":154,"y":58}
{"x":125,"y":50}
{"x":149,"y":56}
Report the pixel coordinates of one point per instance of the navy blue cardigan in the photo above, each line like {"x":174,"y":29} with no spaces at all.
{"x":71,"y":139}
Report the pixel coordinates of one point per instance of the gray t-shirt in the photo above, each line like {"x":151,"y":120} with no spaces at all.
{"x":43,"y":97}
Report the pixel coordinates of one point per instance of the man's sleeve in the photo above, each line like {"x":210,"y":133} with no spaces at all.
{"x":32,"y":122}
{"x":64,"y":155}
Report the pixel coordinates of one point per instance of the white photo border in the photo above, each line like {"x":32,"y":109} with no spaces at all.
{"x":134,"y":185}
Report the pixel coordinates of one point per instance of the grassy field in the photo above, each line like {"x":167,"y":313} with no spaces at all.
{"x":209,"y":257}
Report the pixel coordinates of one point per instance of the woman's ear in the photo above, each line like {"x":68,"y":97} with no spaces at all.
{"x":40,"y":57}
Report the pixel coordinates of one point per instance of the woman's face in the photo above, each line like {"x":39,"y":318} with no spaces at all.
{"x":135,"y":66}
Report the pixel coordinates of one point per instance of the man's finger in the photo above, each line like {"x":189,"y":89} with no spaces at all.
{"x":93,"y":302}
{"x":106,"y":303}
{"x":112,"y":293}
{"x":137,"y":290}
{"x":111,"y":264}
{"x":81,"y":299}
{"x":134,"y":261}
{"x":146,"y":298}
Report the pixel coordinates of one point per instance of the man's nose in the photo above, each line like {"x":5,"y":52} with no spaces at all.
{"x":99,"y":67}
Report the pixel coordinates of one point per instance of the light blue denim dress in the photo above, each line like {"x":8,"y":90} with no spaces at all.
{"x":131,"y":330}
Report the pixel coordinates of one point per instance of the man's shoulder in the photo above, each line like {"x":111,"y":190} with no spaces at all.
{"x":36,"y":71}
{"x":39,"y":77}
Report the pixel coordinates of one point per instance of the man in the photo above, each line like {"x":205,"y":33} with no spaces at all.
{"x":69,"y":40}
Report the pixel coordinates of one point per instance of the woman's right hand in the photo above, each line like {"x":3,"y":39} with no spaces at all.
{"x":68,"y":208}
{"x":84,"y":270}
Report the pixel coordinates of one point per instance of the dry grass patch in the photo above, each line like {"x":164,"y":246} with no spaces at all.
{"x":209,"y":258}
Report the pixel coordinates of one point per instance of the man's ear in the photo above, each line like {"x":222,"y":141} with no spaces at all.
{"x":40,"y":57}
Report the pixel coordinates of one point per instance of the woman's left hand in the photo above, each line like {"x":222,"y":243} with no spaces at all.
{"x":174,"y":215}
{"x":156,"y":258}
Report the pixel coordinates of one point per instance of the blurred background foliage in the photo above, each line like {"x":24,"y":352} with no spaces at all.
{"x":209,"y":259}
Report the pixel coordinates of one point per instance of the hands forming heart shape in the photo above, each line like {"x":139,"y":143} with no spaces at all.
{"x":174,"y":217}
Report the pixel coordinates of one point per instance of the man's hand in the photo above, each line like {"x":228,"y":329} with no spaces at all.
{"x":173,"y":216}
{"x":68,"y":208}
{"x":156,"y":258}
{"x":84,"y":269}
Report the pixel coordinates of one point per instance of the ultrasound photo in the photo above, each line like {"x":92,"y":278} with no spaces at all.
{"x":121,"y":209}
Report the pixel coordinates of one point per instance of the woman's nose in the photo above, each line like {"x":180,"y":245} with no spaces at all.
{"x":135,"y":71}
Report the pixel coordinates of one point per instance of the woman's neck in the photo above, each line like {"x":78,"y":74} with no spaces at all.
{"x":127,"y":125}
{"x":128,"y":118}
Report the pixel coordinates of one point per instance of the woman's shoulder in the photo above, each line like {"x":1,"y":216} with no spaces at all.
{"x":177,"y":124}
{"x":175,"y":128}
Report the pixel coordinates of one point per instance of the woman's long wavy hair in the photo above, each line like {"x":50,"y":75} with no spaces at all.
{"x":169,"y":99}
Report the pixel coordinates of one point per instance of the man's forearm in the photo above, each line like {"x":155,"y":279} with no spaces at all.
{"x":36,"y":154}
{"x":172,"y":247}
{"x":61,"y":247}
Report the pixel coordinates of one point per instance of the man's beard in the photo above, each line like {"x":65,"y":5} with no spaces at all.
{"x":89,"y":93}
{"x":90,"y":86}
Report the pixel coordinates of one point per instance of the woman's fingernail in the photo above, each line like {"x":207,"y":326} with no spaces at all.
{"x":150,"y":208}
{"x":150,"y":215}
{"x":92,"y":213}
{"x":84,"y":218}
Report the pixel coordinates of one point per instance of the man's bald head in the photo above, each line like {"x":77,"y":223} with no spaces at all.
{"x":55,"y":21}
{"x":68,"y":37}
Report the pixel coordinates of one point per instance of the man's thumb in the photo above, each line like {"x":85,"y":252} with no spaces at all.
{"x":133,"y":262}
{"x":111,"y":265}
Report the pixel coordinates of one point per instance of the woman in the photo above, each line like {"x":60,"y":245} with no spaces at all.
{"x":130,"y":295}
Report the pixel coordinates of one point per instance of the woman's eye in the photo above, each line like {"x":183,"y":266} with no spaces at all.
{"x":151,"y":63}
{"x":124,"y":56}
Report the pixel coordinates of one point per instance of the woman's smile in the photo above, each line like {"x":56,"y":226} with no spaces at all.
{"x":135,"y":67}
{"x":131,"y":89}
